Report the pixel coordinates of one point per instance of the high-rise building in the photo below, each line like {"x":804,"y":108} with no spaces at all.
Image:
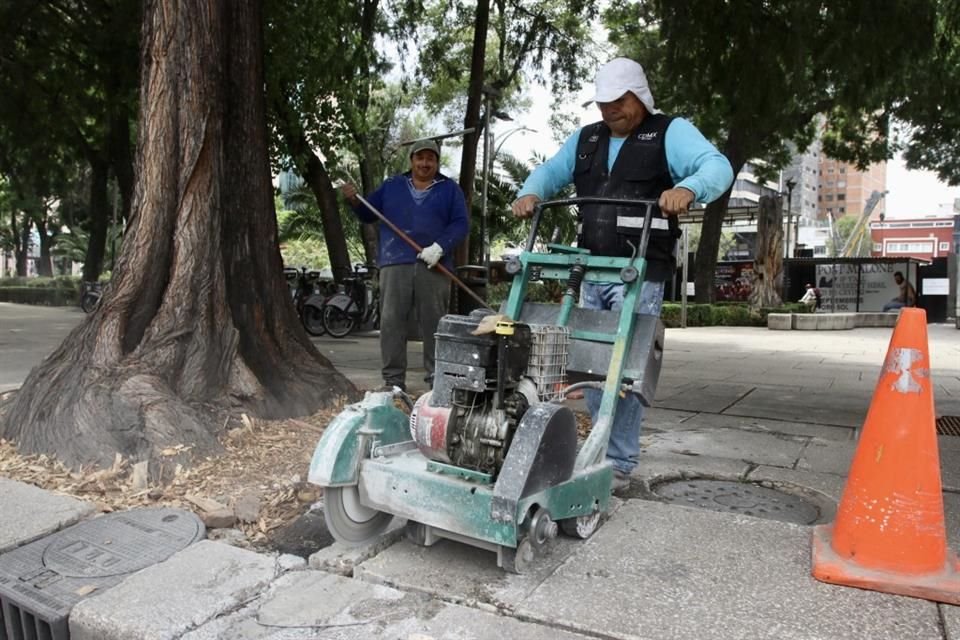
{"x":803,"y":174}
{"x":844,"y":190}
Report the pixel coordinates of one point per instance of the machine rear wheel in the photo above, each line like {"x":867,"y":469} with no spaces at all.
{"x":347,"y":519}
{"x":336,"y":321}
{"x":582,"y":527}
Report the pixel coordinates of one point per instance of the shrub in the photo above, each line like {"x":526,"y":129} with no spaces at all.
{"x":59,"y":291}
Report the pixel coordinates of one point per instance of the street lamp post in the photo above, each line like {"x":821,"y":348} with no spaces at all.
{"x":790,"y":184}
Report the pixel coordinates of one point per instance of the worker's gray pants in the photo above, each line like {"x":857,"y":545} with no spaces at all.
{"x":406,"y":289}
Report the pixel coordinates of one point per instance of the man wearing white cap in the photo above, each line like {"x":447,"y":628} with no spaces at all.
{"x":634,"y":152}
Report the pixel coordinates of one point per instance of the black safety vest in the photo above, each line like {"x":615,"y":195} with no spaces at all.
{"x":640,"y":171}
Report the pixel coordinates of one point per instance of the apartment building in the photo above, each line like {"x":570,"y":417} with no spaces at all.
{"x":844,"y":190}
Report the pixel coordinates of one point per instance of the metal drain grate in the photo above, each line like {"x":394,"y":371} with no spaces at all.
{"x":41,"y":582}
{"x":948,"y":425}
{"x":739,"y":497}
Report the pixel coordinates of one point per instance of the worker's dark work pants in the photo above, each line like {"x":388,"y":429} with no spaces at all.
{"x":406,"y":289}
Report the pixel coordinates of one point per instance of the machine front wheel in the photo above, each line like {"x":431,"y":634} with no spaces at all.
{"x":348,"y":520}
{"x":582,"y":527}
{"x":520,"y":559}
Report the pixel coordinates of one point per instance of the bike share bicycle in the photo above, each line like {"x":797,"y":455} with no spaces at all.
{"x":90,"y":294}
{"x":358,"y":304}
{"x":309,"y":294}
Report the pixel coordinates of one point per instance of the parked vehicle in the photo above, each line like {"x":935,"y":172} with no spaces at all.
{"x":90,"y":294}
{"x":309,"y":293}
{"x":357,"y":305}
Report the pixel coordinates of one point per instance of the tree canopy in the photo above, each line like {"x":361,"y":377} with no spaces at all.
{"x":756,"y":75}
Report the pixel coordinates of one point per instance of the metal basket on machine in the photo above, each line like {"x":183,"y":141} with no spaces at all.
{"x":547,"y":366}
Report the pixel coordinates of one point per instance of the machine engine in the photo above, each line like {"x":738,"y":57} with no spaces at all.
{"x":483,"y":384}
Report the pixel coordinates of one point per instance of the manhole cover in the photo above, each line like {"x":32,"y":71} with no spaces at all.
{"x":121,"y":543}
{"x":948,"y":425}
{"x":41,"y":581}
{"x":739,"y":497}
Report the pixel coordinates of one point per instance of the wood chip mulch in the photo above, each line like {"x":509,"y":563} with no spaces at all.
{"x":266,"y":459}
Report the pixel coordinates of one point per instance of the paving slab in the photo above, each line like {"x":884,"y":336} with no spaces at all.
{"x":692,"y":574}
{"x":655,"y":466}
{"x":761,"y":448}
{"x":162,"y":602}
{"x":949,"y":448}
{"x":463,"y":574}
{"x":318,"y":605}
{"x":712,"y":398}
{"x":829,"y":485}
{"x":824,"y":407}
{"x":763,"y":425}
{"x":822,"y":456}
{"x":951,"y":508}
{"x":951,"y":621}
{"x":342,"y":558}
{"x":28,"y":513}
{"x":658,"y":418}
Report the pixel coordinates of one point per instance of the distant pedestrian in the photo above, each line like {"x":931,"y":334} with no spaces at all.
{"x":907,"y":297}
{"x":430,"y":208}
{"x":811,"y":297}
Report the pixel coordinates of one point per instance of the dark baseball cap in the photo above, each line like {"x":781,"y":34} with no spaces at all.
{"x":426,"y":144}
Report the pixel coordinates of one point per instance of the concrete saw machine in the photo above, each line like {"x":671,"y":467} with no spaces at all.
{"x":490,"y":455}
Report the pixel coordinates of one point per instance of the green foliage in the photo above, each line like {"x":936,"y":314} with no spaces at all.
{"x":931,"y":109}
{"x":307,"y":252}
{"x":543,"y":41}
{"x":843,"y":228}
{"x":59,"y":291}
{"x":803,"y":58}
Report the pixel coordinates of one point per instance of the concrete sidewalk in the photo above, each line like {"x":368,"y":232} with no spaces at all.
{"x":778,"y":409}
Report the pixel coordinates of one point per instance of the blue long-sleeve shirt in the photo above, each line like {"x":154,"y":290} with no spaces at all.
{"x":439,"y":216}
{"x":694,"y":164}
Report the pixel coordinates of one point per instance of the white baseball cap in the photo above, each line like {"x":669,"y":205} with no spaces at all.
{"x":619,"y":76}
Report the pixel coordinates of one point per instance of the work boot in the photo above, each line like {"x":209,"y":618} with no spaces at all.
{"x":621,"y":481}
{"x":389,"y":386}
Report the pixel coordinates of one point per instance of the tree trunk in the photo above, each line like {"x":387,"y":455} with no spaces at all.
{"x":21,"y":243}
{"x":336,"y":240}
{"x":368,"y":232}
{"x":768,"y":260}
{"x":712,"y":228}
{"x":121,"y":160}
{"x":99,"y":219}
{"x":197,"y":318}
{"x":468,"y":159}
{"x":45,"y":263}
{"x":311,"y":167}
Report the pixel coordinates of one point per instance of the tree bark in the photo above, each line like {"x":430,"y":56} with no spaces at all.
{"x":712,"y":227}
{"x":768,"y":260}
{"x":197,"y":319}
{"x":468,"y":159}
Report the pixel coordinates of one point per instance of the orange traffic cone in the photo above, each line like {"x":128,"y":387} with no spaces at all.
{"x":889,"y":533}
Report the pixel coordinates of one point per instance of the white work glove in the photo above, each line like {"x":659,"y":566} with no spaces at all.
{"x":431,"y":255}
